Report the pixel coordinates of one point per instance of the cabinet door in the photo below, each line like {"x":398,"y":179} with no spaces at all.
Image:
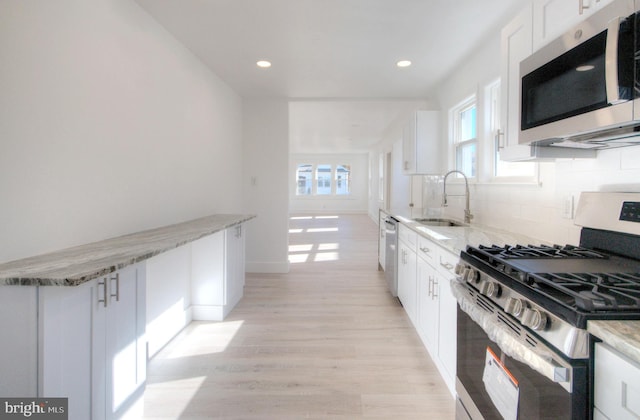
{"x":428,"y":306}
{"x":616,"y":384}
{"x":382,"y":250}
{"x":407,"y":290}
{"x":447,"y":344}
{"x":125,"y":362}
{"x":409,"y":147}
{"x":66,"y":345}
{"x":552,"y":18}
{"x":19,"y":359}
{"x":234,"y":266}
{"x":516,"y":44}
{"x":421,"y":144}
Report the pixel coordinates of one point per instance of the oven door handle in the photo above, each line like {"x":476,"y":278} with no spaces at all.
{"x":538,"y":358}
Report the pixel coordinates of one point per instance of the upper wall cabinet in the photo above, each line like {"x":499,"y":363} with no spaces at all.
{"x":421,"y":144}
{"x":516,"y":45}
{"x":551,"y":18}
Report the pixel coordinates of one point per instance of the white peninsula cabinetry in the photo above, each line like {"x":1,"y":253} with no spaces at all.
{"x":92,"y":344}
{"x":420,"y":144}
{"x":437,"y":307}
{"x":202,"y":281}
{"x":80,"y":323}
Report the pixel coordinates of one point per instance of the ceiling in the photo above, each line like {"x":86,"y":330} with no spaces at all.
{"x":336,"y":59}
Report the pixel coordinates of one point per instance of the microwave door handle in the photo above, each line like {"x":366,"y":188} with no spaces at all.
{"x":611,"y":63}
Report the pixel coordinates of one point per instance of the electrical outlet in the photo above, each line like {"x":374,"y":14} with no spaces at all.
{"x":567,"y":207}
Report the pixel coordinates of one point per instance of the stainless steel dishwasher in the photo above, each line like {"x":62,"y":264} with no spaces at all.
{"x":391,"y":254}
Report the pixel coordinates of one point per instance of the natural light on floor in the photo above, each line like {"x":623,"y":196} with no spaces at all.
{"x":313,"y":252}
{"x":221,"y":335}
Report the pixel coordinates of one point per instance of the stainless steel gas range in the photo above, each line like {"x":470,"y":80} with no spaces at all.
{"x":523,"y":348}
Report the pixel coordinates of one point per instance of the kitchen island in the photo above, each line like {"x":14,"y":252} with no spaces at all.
{"x":80,"y":323}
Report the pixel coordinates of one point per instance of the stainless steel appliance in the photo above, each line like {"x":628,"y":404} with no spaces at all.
{"x":391,"y":251}
{"x":523,"y":349}
{"x":581,"y":90}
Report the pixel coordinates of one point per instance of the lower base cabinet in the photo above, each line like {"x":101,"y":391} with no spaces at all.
{"x":616,"y":385}
{"x":92,"y":344}
{"x":436,"y":308}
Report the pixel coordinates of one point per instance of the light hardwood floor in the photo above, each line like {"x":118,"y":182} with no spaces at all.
{"x":326,"y":340}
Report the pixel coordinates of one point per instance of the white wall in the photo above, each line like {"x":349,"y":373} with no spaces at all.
{"x":107,"y":125}
{"x":265,"y":181}
{"x":356,"y":202}
{"x":533,"y":209}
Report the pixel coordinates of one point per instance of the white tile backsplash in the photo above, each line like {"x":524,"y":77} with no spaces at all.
{"x":536,"y":210}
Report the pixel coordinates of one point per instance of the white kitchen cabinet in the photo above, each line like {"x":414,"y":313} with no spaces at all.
{"x":421,"y":144}
{"x":92,"y":344}
{"x":217,"y":274}
{"x":437,"y":308}
{"x":428,"y":306}
{"x":616,"y":385}
{"x":19,"y":360}
{"x":382,"y":249}
{"x":407,"y":270}
{"x":552,"y":18}
{"x":168,"y":296}
{"x":516,"y":45}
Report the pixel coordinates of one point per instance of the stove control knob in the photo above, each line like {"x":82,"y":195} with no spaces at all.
{"x":514,"y":306}
{"x":493,"y":289}
{"x":471,"y":275}
{"x":459,"y":269}
{"x":534,"y":319}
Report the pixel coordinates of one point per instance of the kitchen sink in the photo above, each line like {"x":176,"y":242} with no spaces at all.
{"x":440,"y":222}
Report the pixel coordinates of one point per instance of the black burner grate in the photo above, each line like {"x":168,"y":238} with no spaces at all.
{"x":508,"y":252}
{"x":591,"y":292}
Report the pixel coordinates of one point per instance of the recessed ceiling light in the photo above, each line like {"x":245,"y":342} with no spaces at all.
{"x":403,"y":63}
{"x":263,"y":64}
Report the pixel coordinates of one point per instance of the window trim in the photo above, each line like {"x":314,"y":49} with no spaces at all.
{"x":454,"y":134}
{"x":333,"y":164}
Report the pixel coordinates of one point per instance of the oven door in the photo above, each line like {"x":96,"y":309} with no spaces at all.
{"x":491,"y":384}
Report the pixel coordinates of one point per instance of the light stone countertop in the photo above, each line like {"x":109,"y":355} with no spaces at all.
{"x":623,"y":336}
{"x":77,"y":265}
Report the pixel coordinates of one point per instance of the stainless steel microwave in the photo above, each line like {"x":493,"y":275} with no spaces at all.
{"x":583,"y":89}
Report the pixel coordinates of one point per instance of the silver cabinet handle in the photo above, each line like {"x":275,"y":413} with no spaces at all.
{"x":582,"y":6}
{"x":498,"y":136}
{"x":117,"y":294}
{"x":435,"y":288}
{"x":103,"y":283}
{"x":446,"y":265}
{"x":430,"y":289}
{"x":425,"y":249}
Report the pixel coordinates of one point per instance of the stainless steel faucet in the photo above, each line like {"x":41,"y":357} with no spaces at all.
{"x":467,"y":213}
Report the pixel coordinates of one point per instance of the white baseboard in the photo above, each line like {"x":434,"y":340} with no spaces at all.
{"x":267,"y":267}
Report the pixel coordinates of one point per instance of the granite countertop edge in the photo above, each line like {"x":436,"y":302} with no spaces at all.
{"x":80,"y":264}
{"x":624,"y":336}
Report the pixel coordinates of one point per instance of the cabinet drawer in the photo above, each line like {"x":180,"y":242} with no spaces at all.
{"x":446,"y":263}
{"x":616,"y":384}
{"x":408,"y":236}
{"x":427,"y":250}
